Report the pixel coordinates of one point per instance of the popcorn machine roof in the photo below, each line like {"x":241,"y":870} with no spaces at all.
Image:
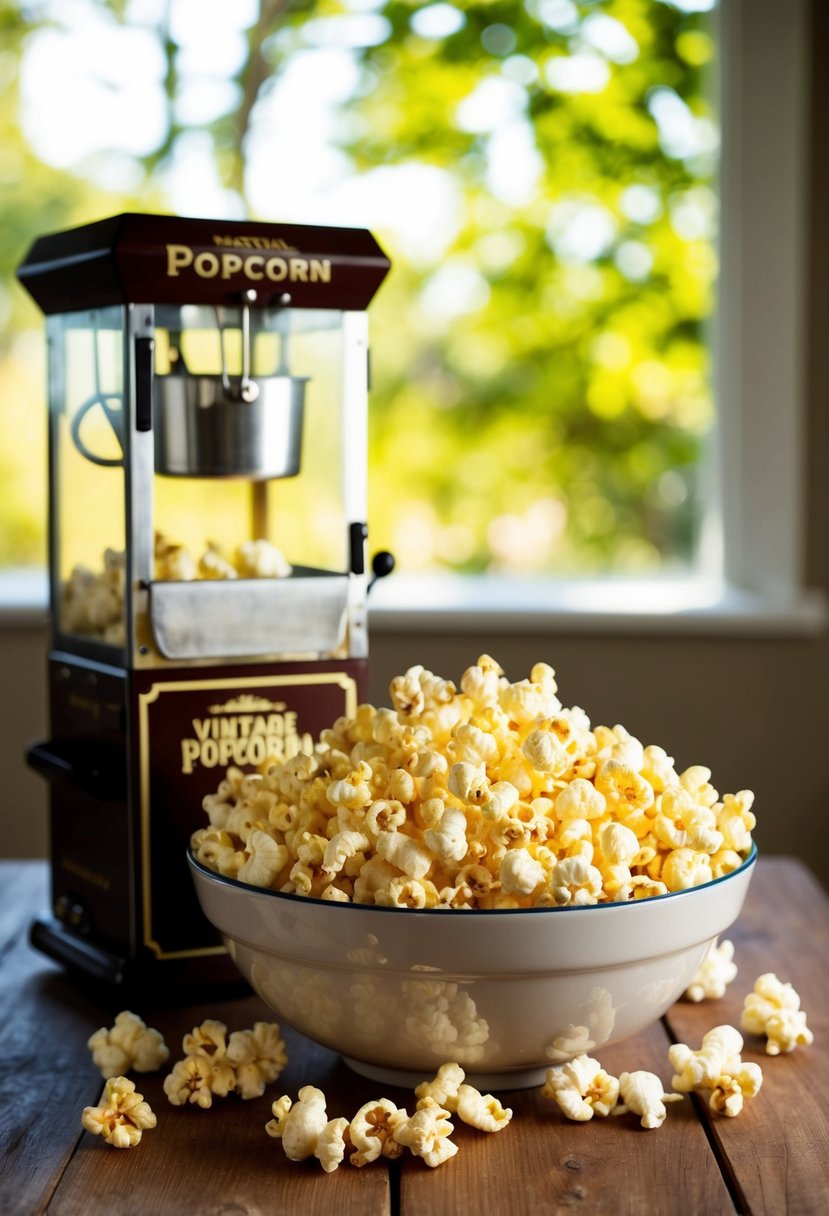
{"x":167,"y":259}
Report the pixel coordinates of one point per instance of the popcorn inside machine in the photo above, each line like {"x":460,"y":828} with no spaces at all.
{"x":207,"y":391}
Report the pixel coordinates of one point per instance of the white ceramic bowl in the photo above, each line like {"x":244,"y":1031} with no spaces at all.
{"x":505,"y":994}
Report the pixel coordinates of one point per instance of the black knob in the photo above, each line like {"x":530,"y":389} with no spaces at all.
{"x":382,"y":565}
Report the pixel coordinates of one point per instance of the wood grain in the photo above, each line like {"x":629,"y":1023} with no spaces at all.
{"x":771,"y":1161}
{"x":777,"y":1150}
{"x":543,"y":1163}
{"x":221,"y":1162}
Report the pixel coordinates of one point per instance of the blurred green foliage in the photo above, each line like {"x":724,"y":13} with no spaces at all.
{"x":541,"y":396}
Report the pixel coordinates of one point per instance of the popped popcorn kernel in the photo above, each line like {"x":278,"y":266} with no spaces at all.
{"x":214,"y":1065}
{"x":398,"y":805}
{"x":299,"y":1125}
{"x":130,"y":1045}
{"x":444,"y":1086}
{"x":257,"y":1057}
{"x":373,"y":1131}
{"x":192,"y":1080}
{"x":773,"y":1009}
{"x":121,"y":1116}
{"x":581,"y":1089}
{"x":729,"y":1094}
{"x":717,"y":1067}
{"x":427,"y":1133}
{"x":714,"y":974}
{"x":641,"y":1093}
{"x":719,"y":1053}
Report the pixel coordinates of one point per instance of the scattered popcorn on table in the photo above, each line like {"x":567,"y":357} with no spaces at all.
{"x":491,"y":796}
{"x":121,"y":1116}
{"x":372,"y":1131}
{"x":448,"y":1088}
{"x":481,"y":1111}
{"x":773,"y":1009}
{"x":305,"y":1129}
{"x":719,"y":1053}
{"x":215,"y":1066}
{"x":717,"y":1067}
{"x":582,"y":1089}
{"x":714,"y":974}
{"x":427,"y":1133}
{"x":128,"y":1046}
{"x":641,"y":1093}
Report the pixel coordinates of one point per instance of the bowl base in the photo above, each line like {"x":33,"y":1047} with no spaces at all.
{"x":521,"y":1078}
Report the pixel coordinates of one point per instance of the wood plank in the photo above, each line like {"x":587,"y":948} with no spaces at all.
{"x":24,"y":890}
{"x":545,"y":1164}
{"x":221,"y":1159}
{"x":776,"y":1149}
{"x":45,"y":1076}
{"x":194,"y":1160}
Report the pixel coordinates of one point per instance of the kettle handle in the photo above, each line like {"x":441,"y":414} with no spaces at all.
{"x":114,"y":419}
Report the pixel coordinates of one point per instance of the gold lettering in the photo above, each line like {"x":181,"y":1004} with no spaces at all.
{"x":206,"y":265}
{"x":276,"y":269}
{"x":74,"y":867}
{"x":202,"y":728}
{"x":299,"y":270}
{"x":243,"y":739}
{"x":231,"y":262}
{"x":189,"y":753}
{"x":258,"y":260}
{"x":320,"y":270}
{"x":251,"y":242}
{"x":178,"y":256}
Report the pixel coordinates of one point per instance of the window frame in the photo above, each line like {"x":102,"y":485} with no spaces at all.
{"x":751,"y":576}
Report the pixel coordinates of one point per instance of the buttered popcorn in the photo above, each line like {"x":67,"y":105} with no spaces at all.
{"x":121,"y":1116}
{"x":215,"y":1065}
{"x":492,"y":795}
{"x":130,"y":1045}
{"x":773,"y":1009}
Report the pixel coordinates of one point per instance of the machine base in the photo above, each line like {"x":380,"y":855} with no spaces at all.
{"x":213,"y":975}
{"x":57,"y":942}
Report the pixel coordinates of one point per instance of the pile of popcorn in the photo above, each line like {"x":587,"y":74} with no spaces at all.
{"x":251,"y":559}
{"x":492,"y":795}
{"x":92,"y":602}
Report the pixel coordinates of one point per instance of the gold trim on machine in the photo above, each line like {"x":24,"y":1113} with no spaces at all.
{"x":341,"y":678}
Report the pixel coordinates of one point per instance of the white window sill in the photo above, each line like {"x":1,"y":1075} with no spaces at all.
{"x":672,"y":606}
{"x":499,"y":604}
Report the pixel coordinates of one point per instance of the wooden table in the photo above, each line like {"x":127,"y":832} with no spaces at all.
{"x":773,"y":1158}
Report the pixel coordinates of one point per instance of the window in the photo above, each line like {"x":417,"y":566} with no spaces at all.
{"x":544,"y":176}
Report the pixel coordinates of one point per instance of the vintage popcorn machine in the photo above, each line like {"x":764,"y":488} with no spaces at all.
{"x":207,"y":535}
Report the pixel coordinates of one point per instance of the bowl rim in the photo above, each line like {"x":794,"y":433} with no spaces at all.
{"x":314,"y":901}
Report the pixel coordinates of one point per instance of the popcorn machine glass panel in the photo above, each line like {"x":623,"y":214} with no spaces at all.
{"x":86,"y":393}
{"x":301,"y":511}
